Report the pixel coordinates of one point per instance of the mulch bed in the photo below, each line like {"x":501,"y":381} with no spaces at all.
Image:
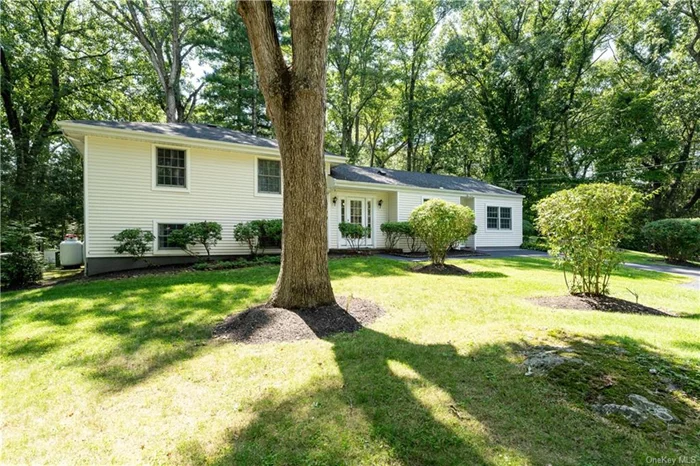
{"x":263,"y":324}
{"x":450,"y":255}
{"x":447,"y":269}
{"x":598,"y":303}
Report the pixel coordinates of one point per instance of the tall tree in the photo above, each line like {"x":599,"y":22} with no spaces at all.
{"x":295,"y":96}
{"x":231,"y":97}
{"x":411,"y":28}
{"x":167,"y":32}
{"x":56,"y":62}
{"x":356,"y":62}
{"x":525,"y":62}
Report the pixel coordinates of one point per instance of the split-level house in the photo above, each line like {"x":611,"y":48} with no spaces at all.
{"x":160,"y":176}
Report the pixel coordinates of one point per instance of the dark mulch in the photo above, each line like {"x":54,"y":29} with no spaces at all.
{"x":263,"y":324}
{"x":447,"y":269}
{"x":456,"y":254}
{"x":598,"y":303}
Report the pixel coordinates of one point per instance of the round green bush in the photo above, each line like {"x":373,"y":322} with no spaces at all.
{"x":440,"y":224}
{"x":677,"y":239}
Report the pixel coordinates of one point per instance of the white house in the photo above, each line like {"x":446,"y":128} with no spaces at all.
{"x":158,"y":177}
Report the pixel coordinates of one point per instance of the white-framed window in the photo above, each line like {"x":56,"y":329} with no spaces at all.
{"x":499,"y":218}
{"x":171,"y":168}
{"x":268,"y":177}
{"x":163,"y":236}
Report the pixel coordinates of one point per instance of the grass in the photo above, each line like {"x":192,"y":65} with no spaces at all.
{"x":647,"y":258}
{"x":124,"y":371}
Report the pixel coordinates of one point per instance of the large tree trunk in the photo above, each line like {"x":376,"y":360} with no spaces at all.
{"x":295,"y":98}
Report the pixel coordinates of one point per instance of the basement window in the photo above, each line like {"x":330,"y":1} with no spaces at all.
{"x":164,"y":232}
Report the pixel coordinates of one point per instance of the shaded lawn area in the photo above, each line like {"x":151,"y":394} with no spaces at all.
{"x":125,"y":371}
{"x":646,"y":258}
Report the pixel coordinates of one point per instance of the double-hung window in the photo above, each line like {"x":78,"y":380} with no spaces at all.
{"x":269,"y":176}
{"x":171,"y":168}
{"x":164,"y":232}
{"x":499,"y":218}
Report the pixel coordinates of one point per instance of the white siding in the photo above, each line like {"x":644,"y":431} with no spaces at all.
{"x":120,"y":194}
{"x":498,"y":238}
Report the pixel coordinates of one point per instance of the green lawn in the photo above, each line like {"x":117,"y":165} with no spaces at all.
{"x":124,"y":371}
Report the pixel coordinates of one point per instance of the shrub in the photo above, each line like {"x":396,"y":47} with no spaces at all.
{"x":353,"y":233}
{"x":134,"y":242}
{"x":583,"y":227}
{"x":534,"y":243}
{"x":440,"y":224}
{"x":205,"y":233}
{"x":677,"y":239}
{"x":270,"y":233}
{"x":529,"y":229}
{"x":259,"y":234}
{"x":394,"y":231}
{"x":21,"y":264}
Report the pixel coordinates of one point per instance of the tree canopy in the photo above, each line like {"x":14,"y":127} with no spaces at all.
{"x":535,"y":95}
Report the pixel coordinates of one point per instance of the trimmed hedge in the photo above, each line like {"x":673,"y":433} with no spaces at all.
{"x":677,"y":239}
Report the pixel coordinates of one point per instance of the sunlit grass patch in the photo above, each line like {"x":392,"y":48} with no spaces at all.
{"x":125,"y":371}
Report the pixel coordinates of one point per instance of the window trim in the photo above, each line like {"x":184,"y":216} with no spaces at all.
{"x":154,"y":169}
{"x":167,"y":252}
{"x":263,"y":194}
{"x":498,"y":228}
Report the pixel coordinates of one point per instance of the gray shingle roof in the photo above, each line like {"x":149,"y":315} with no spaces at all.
{"x":386,"y":176}
{"x":189,"y":130}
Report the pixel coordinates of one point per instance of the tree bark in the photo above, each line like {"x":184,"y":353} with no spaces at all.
{"x":295,"y":98}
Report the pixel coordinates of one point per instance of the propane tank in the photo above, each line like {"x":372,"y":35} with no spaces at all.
{"x":71,"y":251}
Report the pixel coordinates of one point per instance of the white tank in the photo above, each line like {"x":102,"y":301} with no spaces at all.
{"x":71,"y":251}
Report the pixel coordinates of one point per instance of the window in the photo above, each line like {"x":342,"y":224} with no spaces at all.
{"x":369,"y":219}
{"x":505,"y":218}
{"x":498,"y":218}
{"x":492,"y":218}
{"x":164,"y":231}
{"x":269,"y":176}
{"x":171,"y":168}
{"x":426,"y":199}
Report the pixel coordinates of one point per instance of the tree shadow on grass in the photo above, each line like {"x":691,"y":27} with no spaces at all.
{"x":141,"y":325}
{"x":408,"y":403}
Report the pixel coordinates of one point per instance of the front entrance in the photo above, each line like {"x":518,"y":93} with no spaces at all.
{"x":358,"y":210}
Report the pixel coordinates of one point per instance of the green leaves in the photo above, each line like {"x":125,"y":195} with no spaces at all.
{"x":440,"y":224}
{"x":134,"y":242}
{"x":583,"y":227}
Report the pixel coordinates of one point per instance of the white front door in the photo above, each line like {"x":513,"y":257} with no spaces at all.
{"x":358,"y":210}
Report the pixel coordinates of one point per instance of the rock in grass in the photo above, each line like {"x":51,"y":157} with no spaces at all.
{"x":639,"y":412}
{"x":542,"y":361}
{"x":652,"y":408}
